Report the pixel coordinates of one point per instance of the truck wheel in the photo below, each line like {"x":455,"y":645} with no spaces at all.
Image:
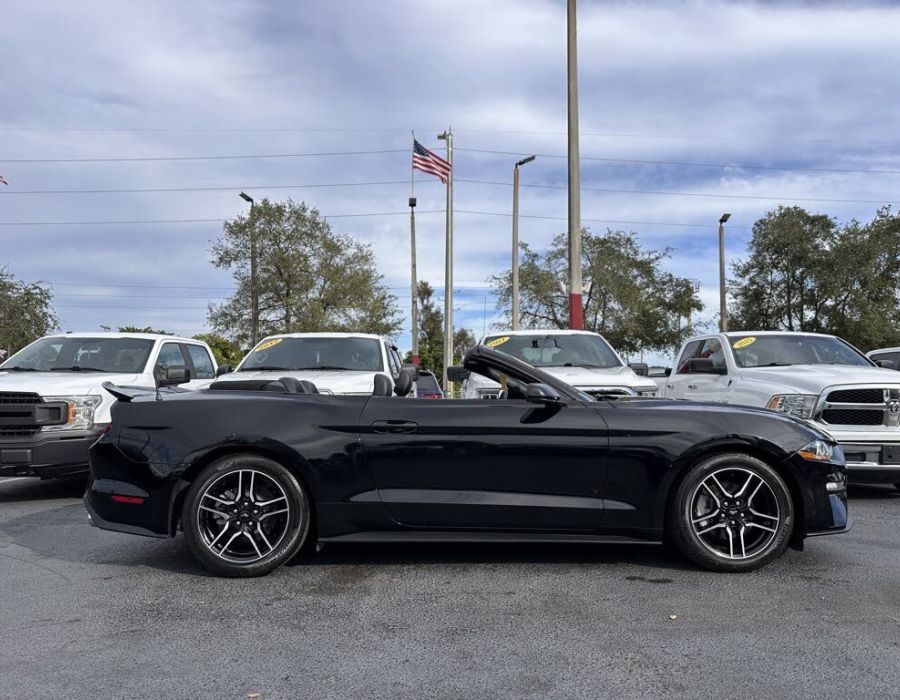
{"x":732,"y":512}
{"x":245,"y":515}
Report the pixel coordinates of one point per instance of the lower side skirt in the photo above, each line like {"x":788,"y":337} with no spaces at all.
{"x":456,"y":536}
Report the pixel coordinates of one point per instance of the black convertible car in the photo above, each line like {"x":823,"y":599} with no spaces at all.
{"x":256,"y":472}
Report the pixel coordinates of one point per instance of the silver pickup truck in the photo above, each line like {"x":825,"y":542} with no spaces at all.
{"x":818,"y":378}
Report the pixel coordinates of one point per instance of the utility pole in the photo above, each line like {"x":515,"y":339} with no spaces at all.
{"x":448,"y":266}
{"x":723,"y":311}
{"x":414,"y":285}
{"x":576,"y":310}
{"x":515,"y":243}
{"x":254,"y":282}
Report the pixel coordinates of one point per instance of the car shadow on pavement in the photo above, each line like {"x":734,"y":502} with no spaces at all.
{"x":652,"y":556}
{"x":33,"y":489}
{"x":872,"y":492}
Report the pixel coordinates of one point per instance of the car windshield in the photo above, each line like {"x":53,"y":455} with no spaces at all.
{"x":791,"y":349}
{"x":279,"y":354}
{"x":556,"y":350}
{"x":68,"y":354}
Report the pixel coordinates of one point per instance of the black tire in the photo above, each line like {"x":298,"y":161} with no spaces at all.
{"x":291,"y":527}
{"x":718,"y":548}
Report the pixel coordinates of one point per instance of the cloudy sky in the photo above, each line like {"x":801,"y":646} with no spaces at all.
{"x":737,"y":107}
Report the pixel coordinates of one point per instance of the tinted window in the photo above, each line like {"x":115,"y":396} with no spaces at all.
{"x":555,"y":350}
{"x":393,"y":361}
{"x":791,"y":349}
{"x":363,"y":354}
{"x":691,"y":350}
{"x":891,"y":356}
{"x":203,"y":366}
{"x":170,"y":356}
{"x":125,"y":355}
{"x":427,"y":383}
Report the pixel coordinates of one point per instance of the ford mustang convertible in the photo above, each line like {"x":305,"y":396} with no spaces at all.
{"x":256,"y":473}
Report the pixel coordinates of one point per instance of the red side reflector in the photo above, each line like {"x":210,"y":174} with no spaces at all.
{"x":132,"y":500}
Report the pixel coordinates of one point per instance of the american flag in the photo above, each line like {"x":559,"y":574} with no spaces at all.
{"x":429,"y":162}
{"x":3,"y":180}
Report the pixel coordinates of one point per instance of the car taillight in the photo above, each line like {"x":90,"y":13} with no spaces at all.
{"x":130,"y":500}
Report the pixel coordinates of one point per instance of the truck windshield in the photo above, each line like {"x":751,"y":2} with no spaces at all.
{"x":791,"y":349}
{"x":62,"y":353}
{"x":557,"y":350}
{"x":294,"y":354}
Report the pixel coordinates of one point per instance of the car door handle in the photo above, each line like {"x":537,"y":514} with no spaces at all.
{"x":394,"y":426}
{"x":692,"y":386}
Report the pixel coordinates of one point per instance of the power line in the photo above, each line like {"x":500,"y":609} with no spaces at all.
{"x":213,"y":188}
{"x":222,"y":157}
{"x":610,"y":190}
{"x":387,"y":213}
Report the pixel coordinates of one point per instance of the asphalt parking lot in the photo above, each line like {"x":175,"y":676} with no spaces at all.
{"x":92,"y":614}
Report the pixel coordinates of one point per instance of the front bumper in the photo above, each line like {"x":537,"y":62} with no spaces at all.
{"x":872,"y":462}
{"x":47,"y":455}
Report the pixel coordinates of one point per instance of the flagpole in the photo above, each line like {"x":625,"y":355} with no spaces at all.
{"x":412,"y":245}
{"x":448,"y":269}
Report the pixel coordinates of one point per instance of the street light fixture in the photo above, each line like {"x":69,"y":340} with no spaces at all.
{"x":515,"y":242}
{"x":723,"y":311}
{"x":254,"y":293}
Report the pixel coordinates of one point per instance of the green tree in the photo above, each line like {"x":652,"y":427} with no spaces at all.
{"x":145,"y":329}
{"x":805,"y":273}
{"x":630,"y":300}
{"x":225,"y":352}
{"x":310,"y":279}
{"x":26,"y":312}
{"x":431,"y":333}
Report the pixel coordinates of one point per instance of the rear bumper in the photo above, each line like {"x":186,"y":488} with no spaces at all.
{"x":48,"y":455}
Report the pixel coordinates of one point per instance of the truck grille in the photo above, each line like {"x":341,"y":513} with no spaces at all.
{"x":862,"y":406}
{"x":17,"y":414}
{"x":609,"y":391}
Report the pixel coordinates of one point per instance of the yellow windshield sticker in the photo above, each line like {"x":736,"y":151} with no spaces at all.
{"x":497,"y":341}
{"x":744,"y":342}
{"x":268,"y":344}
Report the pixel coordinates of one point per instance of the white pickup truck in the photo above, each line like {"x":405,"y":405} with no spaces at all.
{"x":580,"y":358}
{"x":355,"y":364}
{"x":52,"y":404}
{"x":818,"y":378}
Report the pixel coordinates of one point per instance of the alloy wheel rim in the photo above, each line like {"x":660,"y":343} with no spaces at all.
{"x":243,"y":516}
{"x":734,"y":513}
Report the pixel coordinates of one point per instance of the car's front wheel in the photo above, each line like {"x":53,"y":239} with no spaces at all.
{"x":731,"y":512}
{"x":245,"y":515}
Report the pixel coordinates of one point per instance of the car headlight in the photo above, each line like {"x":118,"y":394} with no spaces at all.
{"x":799,"y":405}
{"x":817,"y":451}
{"x":81,"y":412}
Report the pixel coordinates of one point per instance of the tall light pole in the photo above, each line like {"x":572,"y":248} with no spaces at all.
{"x":414,"y":282}
{"x":576,"y":310}
{"x":254,"y":287}
{"x":448,"y":265}
{"x":515,"y":243}
{"x":723,"y":311}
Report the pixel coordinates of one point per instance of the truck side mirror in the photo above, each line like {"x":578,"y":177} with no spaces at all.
{"x":172,"y":376}
{"x":667,"y":372}
{"x":413,"y":371}
{"x":703,"y":365}
{"x":641,"y":369}
{"x":887,"y":364}
{"x":223,"y":369}
{"x":457,"y":374}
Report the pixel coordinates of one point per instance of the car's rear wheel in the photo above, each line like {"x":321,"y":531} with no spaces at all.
{"x":731,"y":512}
{"x":245,"y":515}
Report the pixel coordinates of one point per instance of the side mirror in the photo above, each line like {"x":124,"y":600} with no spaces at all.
{"x":640,"y":368}
{"x":223,"y":369}
{"x":413,"y":370}
{"x":404,"y":382}
{"x":543,"y":394}
{"x":703,"y":365}
{"x":667,"y":372}
{"x":457,"y":374}
{"x":172,"y":376}
{"x":887,"y":364}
